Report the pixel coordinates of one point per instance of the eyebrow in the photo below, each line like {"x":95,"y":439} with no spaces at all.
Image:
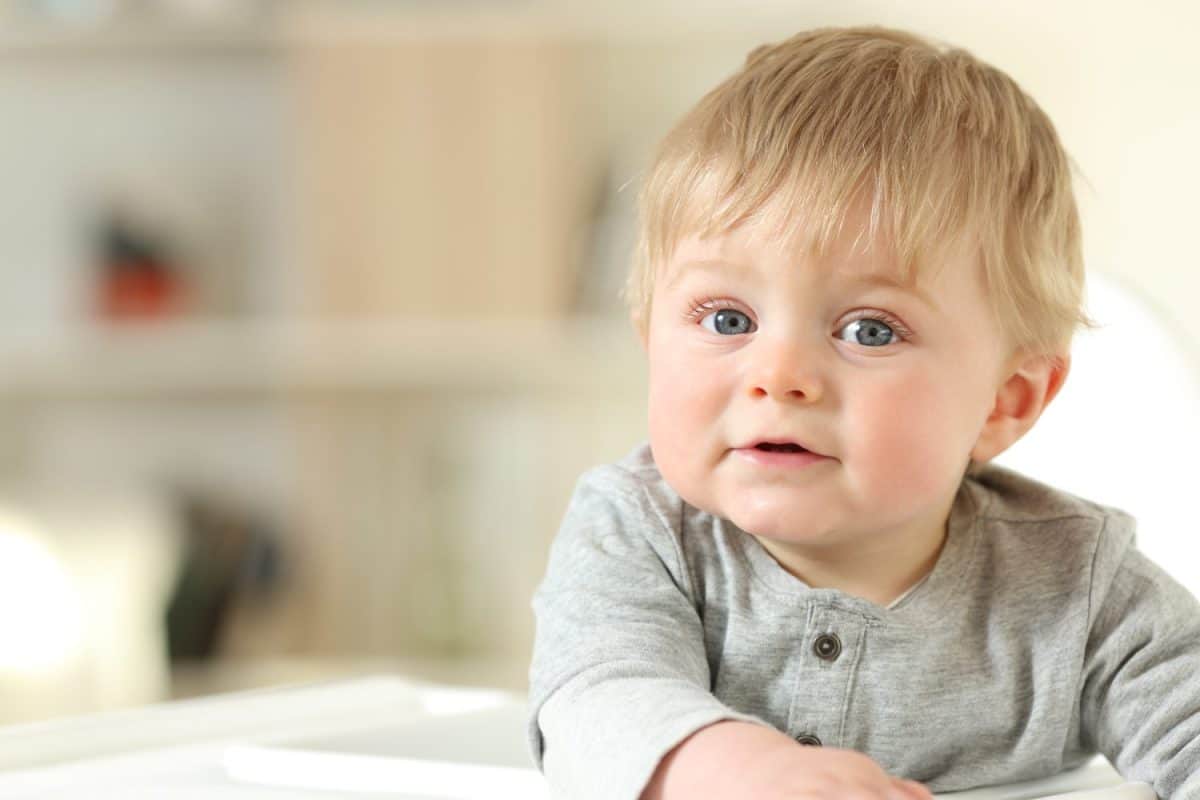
{"x":888,"y":282}
{"x":717,"y":265}
{"x":714,"y":265}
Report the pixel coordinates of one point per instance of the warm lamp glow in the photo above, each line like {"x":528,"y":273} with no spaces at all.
{"x":39,"y":607}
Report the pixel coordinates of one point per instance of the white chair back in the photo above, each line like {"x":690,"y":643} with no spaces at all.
{"x":1125,"y":429}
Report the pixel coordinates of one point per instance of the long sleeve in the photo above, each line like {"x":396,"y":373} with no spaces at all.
{"x":1141,"y":693}
{"x":619,"y":673}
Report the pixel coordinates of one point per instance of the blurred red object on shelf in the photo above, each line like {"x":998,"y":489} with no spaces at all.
{"x":137,"y":279}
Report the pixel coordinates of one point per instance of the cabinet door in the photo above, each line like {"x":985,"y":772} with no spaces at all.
{"x":441,"y":172}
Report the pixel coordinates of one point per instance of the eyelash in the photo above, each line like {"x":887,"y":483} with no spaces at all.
{"x":701,"y":307}
{"x":899,"y":328}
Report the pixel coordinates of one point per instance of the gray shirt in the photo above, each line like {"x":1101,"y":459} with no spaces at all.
{"x":1041,"y":637}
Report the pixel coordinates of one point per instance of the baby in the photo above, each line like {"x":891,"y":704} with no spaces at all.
{"x":858,"y":276}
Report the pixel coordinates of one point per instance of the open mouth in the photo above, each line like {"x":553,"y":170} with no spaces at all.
{"x":780,"y":455}
{"x":785,"y":447}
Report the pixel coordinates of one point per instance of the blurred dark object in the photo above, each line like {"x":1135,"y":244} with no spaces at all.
{"x":231,"y":556}
{"x":138,"y":279}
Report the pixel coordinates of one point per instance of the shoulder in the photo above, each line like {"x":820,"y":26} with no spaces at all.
{"x":631,"y":488}
{"x":1011,"y":495}
{"x":1008,"y":498}
{"x":625,"y":507}
{"x":1048,"y":532}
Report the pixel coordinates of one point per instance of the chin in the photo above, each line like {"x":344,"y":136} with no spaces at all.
{"x":780,"y":521}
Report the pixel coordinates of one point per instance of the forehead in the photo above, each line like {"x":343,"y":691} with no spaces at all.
{"x":751,"y":249}
{"x":852,"y":259}
{"x":853,"y":229}
{"x":856,"y":236}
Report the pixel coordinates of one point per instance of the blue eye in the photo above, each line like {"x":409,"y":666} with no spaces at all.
{"x":867,"y":332}
{"x":728,"y":322}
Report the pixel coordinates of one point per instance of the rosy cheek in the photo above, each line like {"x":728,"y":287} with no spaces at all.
{"x":668,"y":403}
{"x":665,"y":426}
{"x":685,"y":418}
{"x":900,"y":437}
{"x":665,"y":393}
{"x":674,"y":374}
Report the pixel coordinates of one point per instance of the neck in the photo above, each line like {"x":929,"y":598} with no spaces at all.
{"x":878,"y":567}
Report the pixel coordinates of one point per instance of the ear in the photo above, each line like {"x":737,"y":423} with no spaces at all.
{"x":1032,"y":383}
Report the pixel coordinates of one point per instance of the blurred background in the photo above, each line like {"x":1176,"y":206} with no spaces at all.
{"x":309,"y":315}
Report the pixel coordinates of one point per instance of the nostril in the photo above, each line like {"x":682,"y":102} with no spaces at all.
{"x":806,"y":395}
{"x":758,"y":393}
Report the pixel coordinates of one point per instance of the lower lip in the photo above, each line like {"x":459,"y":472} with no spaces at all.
{"x":776,"y":458}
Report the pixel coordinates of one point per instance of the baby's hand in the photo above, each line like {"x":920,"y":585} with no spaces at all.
{"x":825,"y":773}
{"x":741,"y":761}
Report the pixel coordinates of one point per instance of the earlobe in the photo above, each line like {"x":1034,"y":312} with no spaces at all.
{"x":1019,"y":402}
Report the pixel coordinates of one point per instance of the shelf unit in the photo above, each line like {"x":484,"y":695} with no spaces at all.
{"x":168,"y":38}
{"x":258,"y":358}
{"x":417,"y":453}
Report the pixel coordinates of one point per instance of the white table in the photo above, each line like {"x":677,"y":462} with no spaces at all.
{"x":181,"y":749}
{"x":224,"y":747}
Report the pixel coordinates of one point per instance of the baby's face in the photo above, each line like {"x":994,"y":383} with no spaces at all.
{"x":814,"y":402}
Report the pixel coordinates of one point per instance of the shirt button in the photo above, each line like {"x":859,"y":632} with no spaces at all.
{"x":828,"y":647}
{"x":808,"y":740}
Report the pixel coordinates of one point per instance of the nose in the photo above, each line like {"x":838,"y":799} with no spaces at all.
{"x":786,"y":371}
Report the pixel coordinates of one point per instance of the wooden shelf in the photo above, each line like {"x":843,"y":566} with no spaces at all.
{"x":274,"y":31}
{"x":170,"y":38}
{"x":232,"y":358}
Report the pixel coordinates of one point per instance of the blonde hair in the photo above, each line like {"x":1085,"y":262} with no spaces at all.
{"x":945,"y":149}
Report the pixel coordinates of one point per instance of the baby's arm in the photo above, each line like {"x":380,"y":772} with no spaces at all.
{"x":620,"y":677}
{"x":619,"y":673}
{"x":1141,"y":693}
{"x":734,"y":759}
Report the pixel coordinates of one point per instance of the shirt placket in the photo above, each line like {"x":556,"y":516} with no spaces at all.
{"x":828,"y":656}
